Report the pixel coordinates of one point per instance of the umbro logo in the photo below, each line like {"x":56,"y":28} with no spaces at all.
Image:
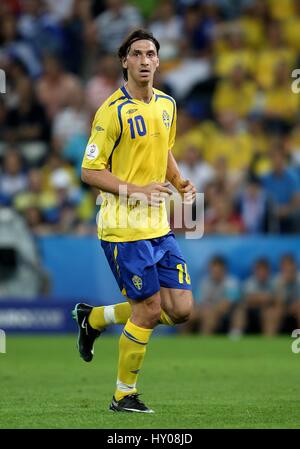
{"x":99,"y":128}
{"x":131,"y":111}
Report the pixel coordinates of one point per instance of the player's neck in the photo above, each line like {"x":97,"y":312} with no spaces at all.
{"x":142,"y":93}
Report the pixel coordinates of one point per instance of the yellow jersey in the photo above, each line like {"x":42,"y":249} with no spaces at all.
{"x":132,"y":139}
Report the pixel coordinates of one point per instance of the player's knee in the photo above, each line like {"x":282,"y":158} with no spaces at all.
{"x":183,"y":311}
{"x":153,"y":310}
{"x":181,"y":316}
{"x":147,"y":312}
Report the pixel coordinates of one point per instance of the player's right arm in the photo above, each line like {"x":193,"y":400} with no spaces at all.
{"x":95,"y":172}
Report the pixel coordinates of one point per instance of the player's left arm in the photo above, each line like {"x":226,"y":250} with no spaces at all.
{"x":184,"y":186}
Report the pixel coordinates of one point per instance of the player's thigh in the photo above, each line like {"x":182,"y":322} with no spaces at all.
{"x":173,"y":271}
{"x":177,"y":303}
{"x":134,"y":268}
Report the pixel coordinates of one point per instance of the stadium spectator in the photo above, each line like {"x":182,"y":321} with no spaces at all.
{"x":281,"y":104}
{"x":79,"y":40}
{"x":167,"y":27}
{"x":260,"y":144}
{"x":219,"y":292}
{"x":13,"y":178}
{"x":283,"y":189}
{"x":27,"y":121}
{"x":226,"y":182}
{"x":253,"y":22}
{"x":63,"y":214}
{"x":230,"y":91}
{"x":252,"y":204}
{"x":38,"y":26}
{"x":14,"y":48}
{"x":193,"y":167}
{"x":259,"y":308}
{"x":230,"y":10}
{"x":115,"y":23}
{"x":35,"y":196}
{"x":287,"y":288}
{"x":188,"y":133}
{"x":231,"y":142}
{"x":199,"y":23}
{"x":291,"y":26}
{"x":56,"y":87}
{"x":35,"y":221}
{"x":222,"y":218}
{"x":273,"y":53}
{"x":232,"y":51}
{"x":187,"y":73}
{"x":60,"y":10}
{"x":283,"y":10}
{"x":105,"y":81}
{"x":53,"y":162}
{"x":72,"y":120}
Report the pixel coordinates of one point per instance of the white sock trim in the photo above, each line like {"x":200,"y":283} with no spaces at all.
{"x":109,"y":314}
{"x":125,"y":388}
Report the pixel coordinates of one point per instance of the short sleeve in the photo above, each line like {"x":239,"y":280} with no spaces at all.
{"x":103,"y":139}
{"x":172,"y":134}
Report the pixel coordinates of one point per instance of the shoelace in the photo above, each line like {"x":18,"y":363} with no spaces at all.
{"x":135,"y":397}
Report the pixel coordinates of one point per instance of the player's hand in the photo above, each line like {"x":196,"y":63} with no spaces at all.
{"x":156,"y":192}
{"x":187,"y":190}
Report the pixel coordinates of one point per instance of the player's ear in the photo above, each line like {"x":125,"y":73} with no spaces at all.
{"x":157,"y":63}
{"x":124,"y":63}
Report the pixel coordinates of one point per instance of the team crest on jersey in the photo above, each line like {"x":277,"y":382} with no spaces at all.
{"x":99,"y":128}
{"x":92,"y":151}
{"x":166,"y":119}
{"x":137,"y":282}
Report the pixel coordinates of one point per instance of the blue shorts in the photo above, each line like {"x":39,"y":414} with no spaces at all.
{"x":143,"y":266}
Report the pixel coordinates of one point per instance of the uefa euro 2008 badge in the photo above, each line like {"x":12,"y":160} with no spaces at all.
{"x":92,"y":151}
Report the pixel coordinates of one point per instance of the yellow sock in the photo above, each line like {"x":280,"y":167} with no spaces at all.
{"x":118,"y":314}
{"x":115,"y":314}
{"x":132,"y":349}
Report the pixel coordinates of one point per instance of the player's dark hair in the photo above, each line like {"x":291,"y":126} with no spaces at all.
{"x":136,"y":35}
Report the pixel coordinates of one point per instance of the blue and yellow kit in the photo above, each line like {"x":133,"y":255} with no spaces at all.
{"x":132,"y":139}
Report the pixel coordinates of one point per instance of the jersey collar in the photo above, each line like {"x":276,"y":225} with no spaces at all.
{"x":123,"y":89}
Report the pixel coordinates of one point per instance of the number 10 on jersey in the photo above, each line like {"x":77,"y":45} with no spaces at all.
{"x":137,"y":124}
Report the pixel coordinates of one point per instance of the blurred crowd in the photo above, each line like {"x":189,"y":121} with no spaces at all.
{"x":228,"y":65}
{"x":264,"y":302}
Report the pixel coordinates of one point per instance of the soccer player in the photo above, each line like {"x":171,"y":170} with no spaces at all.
{"x":129,"y":158}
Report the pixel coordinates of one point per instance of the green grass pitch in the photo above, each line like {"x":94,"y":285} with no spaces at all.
{"x":190,"y":382}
